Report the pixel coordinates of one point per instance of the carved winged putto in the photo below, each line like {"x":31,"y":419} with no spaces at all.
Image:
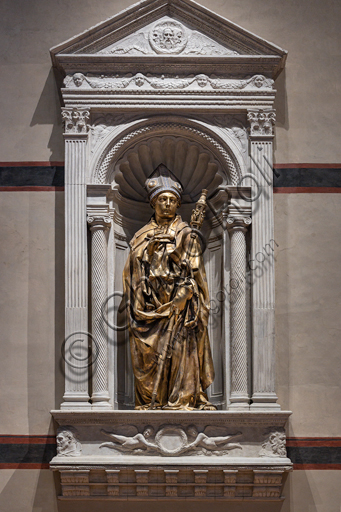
{"x":135,"y":442}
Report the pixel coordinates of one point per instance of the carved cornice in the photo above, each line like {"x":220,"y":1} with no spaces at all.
{"x":261,"y":123}
{"x":224,"y":418}
{"x":76,"y":120}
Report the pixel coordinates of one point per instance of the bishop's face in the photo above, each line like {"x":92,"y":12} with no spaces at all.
{"x":165,"y":206}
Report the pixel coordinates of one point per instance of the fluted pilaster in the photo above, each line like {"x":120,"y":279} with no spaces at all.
{"x":261,"y":261}
{"x":77,"y":339}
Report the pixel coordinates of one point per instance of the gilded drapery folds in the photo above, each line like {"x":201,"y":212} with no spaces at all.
{"x":166,"y":289}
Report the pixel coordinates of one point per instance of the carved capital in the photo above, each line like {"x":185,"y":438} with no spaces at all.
{"x":238,"y":223}
{"x":99,"y":222}
{"x":261,"y":122}
{"x":76,"y":120}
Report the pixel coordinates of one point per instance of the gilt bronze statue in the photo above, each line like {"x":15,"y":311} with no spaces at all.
{"x":167,"y":297}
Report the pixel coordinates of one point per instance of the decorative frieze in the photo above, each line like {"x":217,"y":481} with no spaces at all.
{"x":164,"y":83}
{"x":184,"y":482}
{"x":172,"y":441}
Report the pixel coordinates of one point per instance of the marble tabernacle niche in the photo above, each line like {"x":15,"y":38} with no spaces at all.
{"x":169,"y":82}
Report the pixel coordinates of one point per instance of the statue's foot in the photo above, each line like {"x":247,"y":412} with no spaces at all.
{"x":207,"y":407}
{"x":146,"y":407}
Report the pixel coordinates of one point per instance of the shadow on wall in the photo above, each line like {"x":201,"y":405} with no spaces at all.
{"x":29,"y":490}
{"x":48,"y":112}
{"x":59,"y":322}
{"x":281,"y":104}
{"x":301,"y":496}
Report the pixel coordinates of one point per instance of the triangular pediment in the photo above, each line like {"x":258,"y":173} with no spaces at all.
{"x":174,"y":29}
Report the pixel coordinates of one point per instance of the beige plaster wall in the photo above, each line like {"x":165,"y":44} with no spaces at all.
{"x":308,"y":91}
{"x":308,"y":320}
{"x":31,"y":309}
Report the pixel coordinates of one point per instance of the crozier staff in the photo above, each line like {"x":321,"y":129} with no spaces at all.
{"x":166,"y":288}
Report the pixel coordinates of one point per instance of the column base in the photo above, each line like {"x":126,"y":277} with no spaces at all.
{"x":240,"y":406}
{"x":100,"y":400}
{"x":101,"y":405}
{"x":76,"y":401}
{"x":239,"y":401}
{"x":265,"y":401}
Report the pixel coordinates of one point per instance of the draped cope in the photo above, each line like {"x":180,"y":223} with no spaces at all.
{"x":164,"y":278}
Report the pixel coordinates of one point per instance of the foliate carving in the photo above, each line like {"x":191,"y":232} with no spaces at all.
{"x":261,"y":122}
{"x":104,"y":123}
{"x":274,"y":445}
{"x":74,"y":477}
{"x":234,"y":125}
{"x":173,"y":440}
{"x":262,"y":478}
{"x":141,"y":81}
{"x":67,"y":443}
{"x":168,"y":37}
{"x":266,"y":492}
{"x":76,"y":120}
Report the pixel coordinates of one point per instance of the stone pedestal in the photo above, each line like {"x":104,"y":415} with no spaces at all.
{"x":146,"y":455}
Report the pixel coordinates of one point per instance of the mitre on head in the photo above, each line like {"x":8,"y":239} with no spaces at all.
{"x":162,"y":180}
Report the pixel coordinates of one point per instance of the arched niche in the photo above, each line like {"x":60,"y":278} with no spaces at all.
{"x":199,"y":159}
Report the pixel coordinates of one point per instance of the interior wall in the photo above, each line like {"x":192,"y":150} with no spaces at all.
{"x":306,"y":230}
